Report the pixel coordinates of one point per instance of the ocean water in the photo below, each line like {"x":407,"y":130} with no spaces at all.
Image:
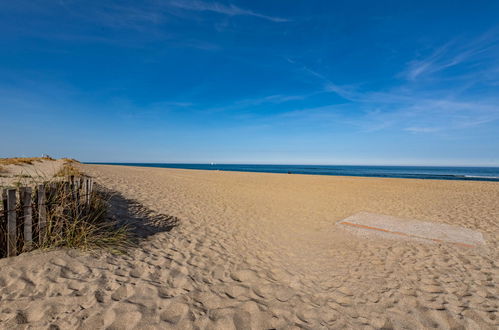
{"x":411,"y":172}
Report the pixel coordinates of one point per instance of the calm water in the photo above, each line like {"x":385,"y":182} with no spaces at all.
{"x":413,"y":172}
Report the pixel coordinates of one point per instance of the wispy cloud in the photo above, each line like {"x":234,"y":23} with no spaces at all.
{"x":346,"y":92}
{"x":452,"y":54}
{"x":276,"y":99}
{"x":422,"y":129}
{"x":120,"y":24}
{"x":125,"y":23}
{"x":219,"y":8}
{"x":444,"y":103}
{"x":120,"y":16}
{"x":250,"y":103}
{"x":423,"y":115}
{"x":419,"y":116}
{"x":430,"y":64}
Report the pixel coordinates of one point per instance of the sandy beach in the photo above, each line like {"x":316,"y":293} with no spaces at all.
{"x":263,"y":251}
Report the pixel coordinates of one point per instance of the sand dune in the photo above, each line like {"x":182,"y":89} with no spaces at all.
{"x":261,"y":251}
{"x":28,"y":174}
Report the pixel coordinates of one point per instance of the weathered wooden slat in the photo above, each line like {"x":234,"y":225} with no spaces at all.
{"x":3,"y":224}
{"x":42,"y":213}
{"x":11,"y":223}
{"x":86,"y":191}
{"x":78,"y":189}
{"x":53,"y":189}
{"x":25,"y":194}
{"x":4,"y":199}
{"x":67,"y":190}
{"x":72,"y":186}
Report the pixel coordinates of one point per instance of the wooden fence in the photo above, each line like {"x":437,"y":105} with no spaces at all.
{"x":23,"y":220}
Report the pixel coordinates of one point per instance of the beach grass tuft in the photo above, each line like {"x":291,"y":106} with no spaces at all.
{"x":70,"y":160}
{"x":73,"y":220}
{"x":68,"y":169}
{"x":72,"y":223}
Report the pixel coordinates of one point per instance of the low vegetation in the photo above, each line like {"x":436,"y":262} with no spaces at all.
{"x":74,"y":220}
{"x":68,"y":169}
{"x":70,"y":160}
{"x":72,"y":223}
{"x":23,"y":160}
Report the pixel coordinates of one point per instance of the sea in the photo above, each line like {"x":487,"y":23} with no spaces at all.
{"x":409,"y":172}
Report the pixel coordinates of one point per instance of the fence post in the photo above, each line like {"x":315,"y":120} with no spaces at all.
{"x":3,"y":223}
{"x":86,"y":189}
{"x":42,"y":213}
{"x":4,"y":201}
{"x":77,"y":189}
{"x":72,"y":186}
{"x":67,"y":190}
{"x":25,"y":194}
{"x":11,"y":223}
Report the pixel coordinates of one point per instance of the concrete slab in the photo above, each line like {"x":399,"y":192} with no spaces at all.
{"x":365,"y":223}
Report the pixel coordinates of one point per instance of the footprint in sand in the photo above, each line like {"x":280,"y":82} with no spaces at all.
{"x":244,"y":275}
{"x":174,"y":312}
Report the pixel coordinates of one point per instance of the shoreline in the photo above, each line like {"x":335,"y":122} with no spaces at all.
{"x":309,"y":170}
{"x":298,"y":174}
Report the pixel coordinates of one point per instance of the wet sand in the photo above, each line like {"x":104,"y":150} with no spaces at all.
{"x":258,"y":250}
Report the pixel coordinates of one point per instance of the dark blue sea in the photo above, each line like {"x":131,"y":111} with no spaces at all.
{"x":410,"y":172}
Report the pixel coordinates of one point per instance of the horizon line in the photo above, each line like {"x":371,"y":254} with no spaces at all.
{"x":285,"y":164}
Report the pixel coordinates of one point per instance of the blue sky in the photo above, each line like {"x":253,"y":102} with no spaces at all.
{"x":299,"y":82}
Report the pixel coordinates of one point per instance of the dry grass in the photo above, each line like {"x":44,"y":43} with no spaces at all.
{"x":70,"y":160}
{"x":23,"y":160}
{"x":68,"y":169}
{"x":73,"y":223}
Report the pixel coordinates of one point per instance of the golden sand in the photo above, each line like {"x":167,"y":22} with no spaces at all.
{"x":259,"y":251}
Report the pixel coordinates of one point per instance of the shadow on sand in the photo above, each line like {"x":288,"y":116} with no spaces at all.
{"x":142,"y":221}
